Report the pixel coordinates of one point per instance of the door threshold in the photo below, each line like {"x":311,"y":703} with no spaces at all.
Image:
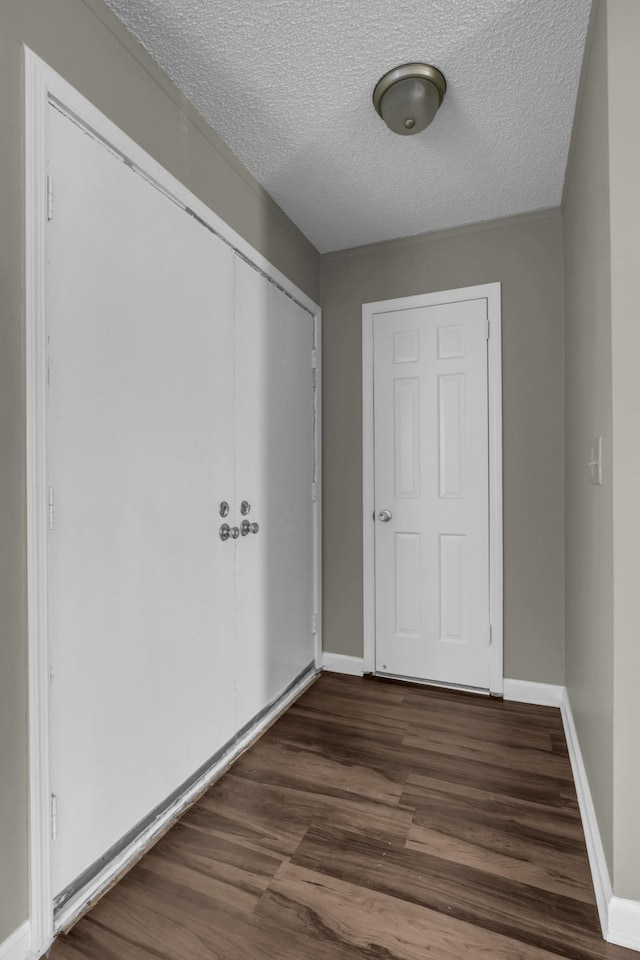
{"x":440,"y":685}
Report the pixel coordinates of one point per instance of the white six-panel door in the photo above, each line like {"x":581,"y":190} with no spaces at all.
{"x":431,"y":479}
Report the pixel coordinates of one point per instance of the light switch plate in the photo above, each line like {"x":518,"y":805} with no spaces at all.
{"x":595,"y":462}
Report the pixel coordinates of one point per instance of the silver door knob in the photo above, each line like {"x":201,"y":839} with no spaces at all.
{"x":246,"y":528}
{"x":226,"y":531}
{"x":245,"y":507}
{"x":253,"y":528}
{"x":385,"y":516}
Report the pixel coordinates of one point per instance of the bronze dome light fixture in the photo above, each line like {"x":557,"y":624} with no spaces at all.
{"x":407,"y":97}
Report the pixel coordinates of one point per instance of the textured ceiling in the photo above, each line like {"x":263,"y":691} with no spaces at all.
{"x":288,"y":83}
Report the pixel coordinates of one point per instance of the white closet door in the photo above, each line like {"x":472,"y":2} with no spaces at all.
{"x":274,"y":473}
{"x":140,"y":434}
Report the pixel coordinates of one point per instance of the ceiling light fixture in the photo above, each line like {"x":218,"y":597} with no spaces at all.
{"x":407,"y":97}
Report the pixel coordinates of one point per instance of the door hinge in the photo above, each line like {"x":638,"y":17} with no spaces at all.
{"x":50,"y":506}
{"x":314,"y":624}
{"x":314,"y":359}
{"x":490,"y":634}
{"x":314,"y":491}
{"x":488,"y":329}
{"x":49,"y":197}
{"x":54,"y":816}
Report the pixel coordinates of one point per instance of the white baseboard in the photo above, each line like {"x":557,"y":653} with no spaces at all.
{"x":542,"y":694}
{"x":619,"y":918}
{"x":624,"y":923}
{"x":340,"y":663}
{"x":18,"y":945}
{"x":86,"y":897}
{"x":595,"y":850}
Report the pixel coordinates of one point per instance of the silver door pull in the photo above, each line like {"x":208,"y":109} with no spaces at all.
{"x":246,"y":527}
{"x":245,"y":507}
{"x":385,"y":516}
{"x":224,"y":509}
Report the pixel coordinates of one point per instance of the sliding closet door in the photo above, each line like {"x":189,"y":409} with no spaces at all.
{"x":274,"y":474}
{"x":140,"y":441}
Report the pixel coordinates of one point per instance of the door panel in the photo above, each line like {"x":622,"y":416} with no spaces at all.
{"x":451,"y":408}
{"x":431,"y":474}
{"x":406,"y":402}
{"x":140,"y":425}
{"x":274,"y":472}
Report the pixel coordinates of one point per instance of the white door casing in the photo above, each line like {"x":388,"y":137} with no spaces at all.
{"x":432,"y":431}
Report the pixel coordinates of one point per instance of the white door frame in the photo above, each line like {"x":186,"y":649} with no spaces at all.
{"x":42,"y":87}
{"x":491,"y":292}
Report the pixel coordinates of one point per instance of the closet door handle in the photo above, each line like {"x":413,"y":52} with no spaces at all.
{"x":225,"y":532}
{"x":246,"y":528}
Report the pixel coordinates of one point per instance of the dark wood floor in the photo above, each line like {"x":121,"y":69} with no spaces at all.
{"x":373,"y":821}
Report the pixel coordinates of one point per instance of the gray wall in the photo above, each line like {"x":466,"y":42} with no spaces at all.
{"x":601,"y":214}
{"x":589,"y":509}
{"x":623,"y":42}
{"x":526,"y":255}
{"x":90,"y":48}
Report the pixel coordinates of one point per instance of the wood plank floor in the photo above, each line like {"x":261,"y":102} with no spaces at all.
{"x":374,"y":821}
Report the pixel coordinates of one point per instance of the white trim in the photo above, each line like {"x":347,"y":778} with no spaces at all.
{"x":340,"y":663}
{"x":317,"y":512}
{"x":111,"y":873}
{"x":496,"y":585}
{"x":40,"y":894}
{"x":544,"y":694}
{"x":595,"y":850}
{"x":44,"y":85}
{"x":368,"y":497}
{"x":492,"y":293}
{"x":18,"y":945}
{"x":624,"y":923}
